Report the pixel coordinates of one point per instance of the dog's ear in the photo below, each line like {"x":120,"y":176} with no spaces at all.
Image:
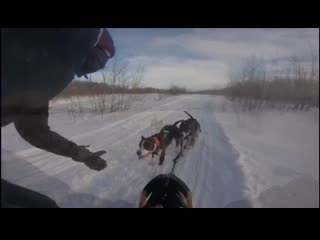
{"x":142,"y":137}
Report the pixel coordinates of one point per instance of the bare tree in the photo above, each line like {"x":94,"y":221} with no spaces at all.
{"x":102,"y":98}
{"x":117,"y":75}
{"x":74,"y":107}
{"x":136,"y":79}
{"x":93,"y":99}
{"x":253,"y":89}
{"x":114,"y":92}
{"x":175,"y":90}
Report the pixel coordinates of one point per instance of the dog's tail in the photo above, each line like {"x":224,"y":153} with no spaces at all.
{"x":177,"y":122}
{"x":189,"y":114}
{"x":199,"y":127}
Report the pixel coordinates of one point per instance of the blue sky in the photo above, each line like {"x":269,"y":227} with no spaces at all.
{"x":204,"y":58}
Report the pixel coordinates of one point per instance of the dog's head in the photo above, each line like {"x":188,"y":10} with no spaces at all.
{"x":184,"y":127}
{"x":189,"y":126}
{"x":147,"y":146}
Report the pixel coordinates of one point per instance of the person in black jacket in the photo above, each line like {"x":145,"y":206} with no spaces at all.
{"x":36,"y":65}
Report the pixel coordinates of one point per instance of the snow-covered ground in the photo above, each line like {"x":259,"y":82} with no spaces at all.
{"x":278,"y":153}
{"x":239,"y":160}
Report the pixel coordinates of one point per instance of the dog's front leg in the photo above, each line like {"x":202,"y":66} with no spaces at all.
{"x":162,"y":156}
{"x":181,"y":147}
{"x":177,"y":142}
{"x":154,"y":153}
{"x":192,"y":141}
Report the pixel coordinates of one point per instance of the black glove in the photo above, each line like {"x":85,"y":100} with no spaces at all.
{"x":90,"y":159}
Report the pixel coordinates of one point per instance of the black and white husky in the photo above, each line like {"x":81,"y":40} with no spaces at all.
{"x":190,"y":129}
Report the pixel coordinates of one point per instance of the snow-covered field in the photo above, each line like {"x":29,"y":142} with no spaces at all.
{"x":239,"y":160}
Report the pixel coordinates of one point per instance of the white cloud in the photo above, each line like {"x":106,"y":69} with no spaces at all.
{"x":204,"y":58}
{"x":205,"y":47}
{"x":189,"y":73}
{"x":236,"y":44}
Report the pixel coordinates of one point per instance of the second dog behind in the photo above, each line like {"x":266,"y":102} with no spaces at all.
{"x":190,"y":129}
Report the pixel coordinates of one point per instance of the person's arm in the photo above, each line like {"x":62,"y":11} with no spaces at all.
{"x":32,"y":125}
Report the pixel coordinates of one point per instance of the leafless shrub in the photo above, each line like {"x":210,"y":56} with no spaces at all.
{"x":176,"y":90}
{"x":295,"y":88}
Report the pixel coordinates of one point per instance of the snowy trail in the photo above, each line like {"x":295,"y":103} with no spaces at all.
{"x":212,"y":168}
{"x":120,"y":184}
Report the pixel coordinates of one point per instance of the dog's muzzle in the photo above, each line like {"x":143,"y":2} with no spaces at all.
{"x":139,"y":154}
{"x":144,"y":154}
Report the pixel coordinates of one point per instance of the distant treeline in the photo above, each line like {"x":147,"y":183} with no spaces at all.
{"x":87,"y":88}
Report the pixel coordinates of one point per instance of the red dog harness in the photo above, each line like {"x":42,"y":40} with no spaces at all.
{"x":156,"y":143}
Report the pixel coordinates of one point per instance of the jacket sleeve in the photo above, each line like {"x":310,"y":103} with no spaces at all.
{"x":32,"y":125}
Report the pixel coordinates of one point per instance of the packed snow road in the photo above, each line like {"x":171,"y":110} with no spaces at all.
{"x":211,"y":169}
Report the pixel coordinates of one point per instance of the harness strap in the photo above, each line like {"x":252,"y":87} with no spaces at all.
{"x":156,"y":143}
